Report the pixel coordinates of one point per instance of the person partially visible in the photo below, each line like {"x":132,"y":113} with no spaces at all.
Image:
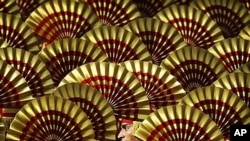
{"x":128,"y":128}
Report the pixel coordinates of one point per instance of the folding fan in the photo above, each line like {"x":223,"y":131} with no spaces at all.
{"x":194,"y":67}
{"x":119,"y":44}
{"x":161,"y":87}
{"x":63,"y":55}
{"x":244,"y":68}
{"x":3,"y":43}
{"x":10,"y":7}
{"x":246,"y":3}
{"x":17,"y":34}
{"x":2,"y":130}
{"x":196,"y":27}
{"x":119,"y":86}
{"x":223,"y":106}
{"x":238,"y":83}
{"x":245,"y":32}
{"x":94,"y":105}
{"x":50,"y":118}
{"x":114,"y":12}
{"x":57,"y":19}
{"x":159,"y":37}
{"x":178,"y":122}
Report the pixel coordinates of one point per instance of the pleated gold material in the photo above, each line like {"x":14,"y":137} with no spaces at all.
{"x":194,"y":67}
{"x":232,"y":52}
{"x":238,"y":83}
{"x":94,"y":105}
{"x":245,"y":32}
{"x":3,"y":43}
{"x":119,"y":44}
{"x":244,"y":68}
{"x":178,"y":122}
{"x":246,"y":3}
{"x":31,"y":68}
{"x":114,"y":12}
{"x":223,"y":106}
{"x":2,"y":130}
{"x":231,"y":16}
{"x":161,"y":87}
{"x":10,"y":7}
{"x":17,"y":34}
{"x":64,"y":55}
{"x":51,"y":118}
{"x":159,"y":37}
{"x":196,"y":27}
{"x":59,"y":19}
{"x":120,"y":87}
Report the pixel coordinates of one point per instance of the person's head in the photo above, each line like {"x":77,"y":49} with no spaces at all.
{"x":127,"y":130}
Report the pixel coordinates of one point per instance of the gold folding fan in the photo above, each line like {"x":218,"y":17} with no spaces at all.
{"x":194,"y":67}
{"x":17,"y":34}
{"x":3,"y":43}
{"x":10,"y":7}
{"x":57,"y":19}
{"x":159,"y":37}
{"x":196,"y":27}
{"x":119,"y":44}
{"x":94,"y":105}
{"x":63,"y":55}
{"x":223,"y":106}
{"x":244,"y":68}
{"x":50,"y":118}
{"x":161,"y":87}
{"x":245,"y":32}
{"x":119,"y":86}
{"x":178,"y":122}
{"x":232,"y":52}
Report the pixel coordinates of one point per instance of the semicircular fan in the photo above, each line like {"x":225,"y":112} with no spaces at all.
{"x":244,"y":68}
{"x":50,"y":118}
{"x":59,"y":19}
{"x":232,"y":52}
{"x":159,"y":37}
{"x":119,"y":86}
{"x":223,"y":106}
{"x":31,"y":68}
{"x":161,"y":87}
{"x":119,"y":44}
{"x":244,"y":33}
{"x":238,"y":83}
{"x":196,"y":27}
{"x":9,"y":7}
{"x":194,"y":67}
{"x":178,"y":122}
{"x":94,"y":105}
{"x":231,"y":16}
{"x":17,"y":34}
{"x":114,"y":12}
{"x":64,"y":55}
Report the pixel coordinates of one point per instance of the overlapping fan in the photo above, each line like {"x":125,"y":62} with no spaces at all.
{"x":3,"y":43}
{"x":161,"y":87}
{"x":178,"y":122}
{"x":119,"y":86}
{"x":50,"y":118}
{"x":194,"y":67}
{"x":159,"y":37}
{"x":31,"y":68}
{"x":238,"y":83}
{"x":246,"y":3}
{"x":63,"y":55}
{"x":119,"y":44}
{"x":244,"y":68}
{"x":223,"y":106}
{"x":231,"y":16}
{"x":17,"y":34}
{"x":10,"y":7}
{"x":197,"y":28}
{"x":114,"y":12}
{"x":59,"y":19}
{"x":232,"y":52}
{"x":245,"y":33}
{"x":94,"y":105}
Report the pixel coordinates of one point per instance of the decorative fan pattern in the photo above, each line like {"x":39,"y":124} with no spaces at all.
{"x":244,"y":68}
{"x":10,"y":7}
{"x":245,"y":33}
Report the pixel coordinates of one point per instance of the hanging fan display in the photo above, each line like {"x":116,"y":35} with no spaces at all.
{"x":223,"y":106}
{"x":194,"y":67}
{"x":50,"y":118}
{"x":119,"y":44}
{"x":232,"y":52}
{"x":114,"y":12}
{"x":178,"y":122}
{"x":17,"y":34}
{"x":238,"y":83}
{"x":119,"y":86}
{"x":231,"y":16}
{"x":196,"y":27}
{"x":244,"y":68}
{"x":10,"y":7}
{"x":161,"y":87}
{"x":57,"y":19}
{"x":94,"y":105}
{"x":63,"y":55}
{"x":245,"y":32}
{"x":159,"y":37}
